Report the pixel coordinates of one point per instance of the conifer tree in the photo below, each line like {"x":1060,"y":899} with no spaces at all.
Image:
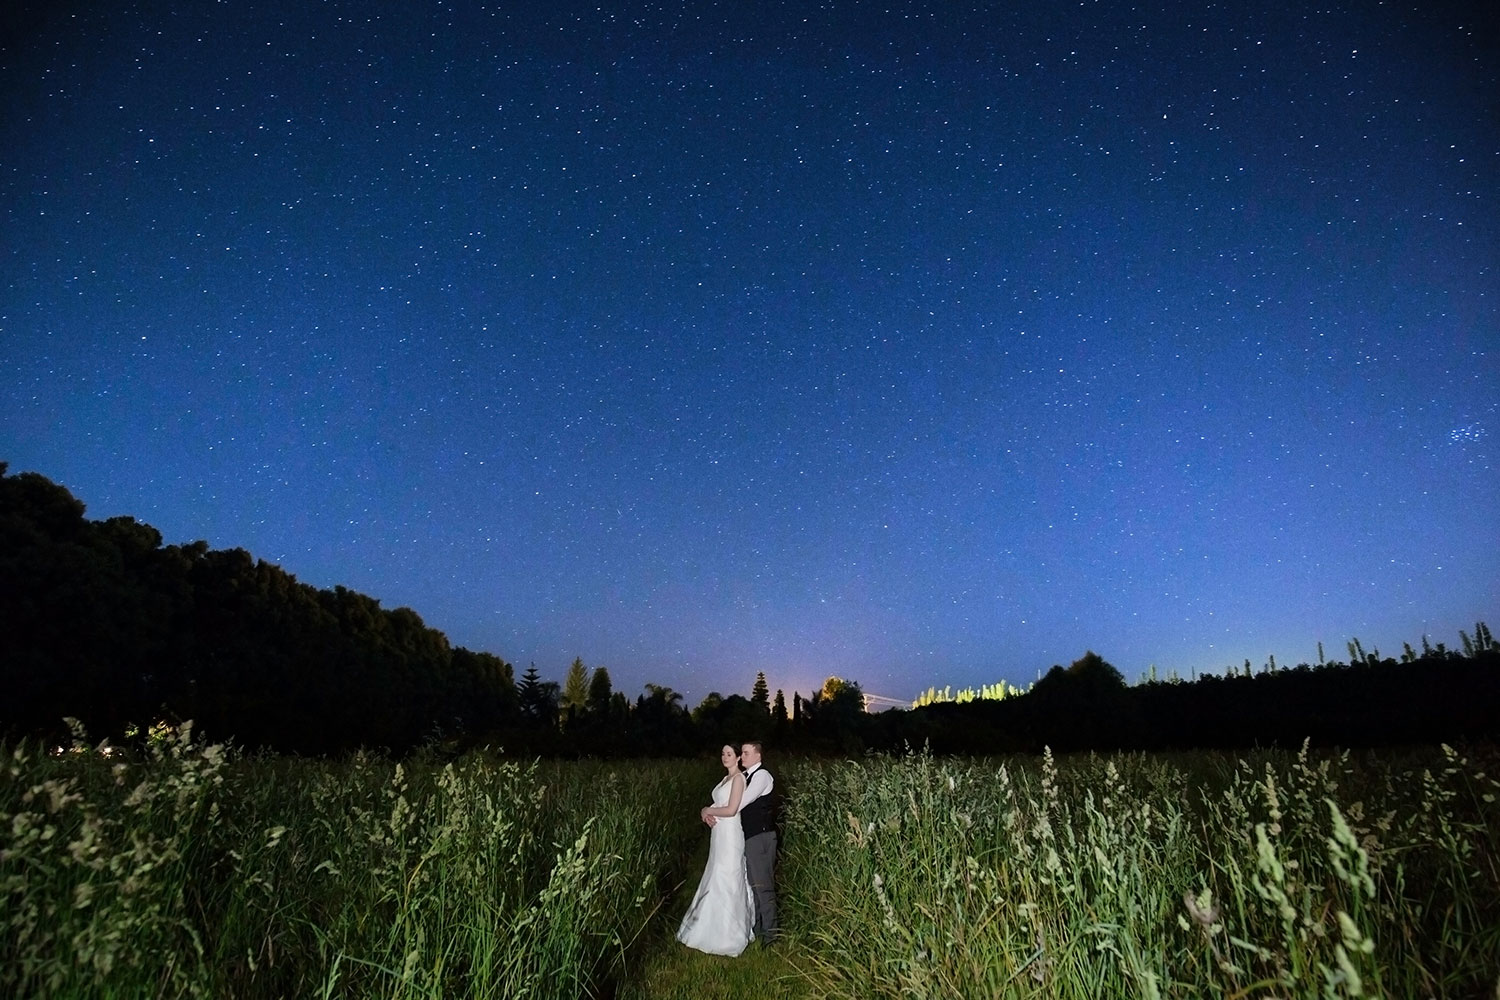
{"x":760,"y":695}
{"x":575,"y":689}
{"x":529,"y":691}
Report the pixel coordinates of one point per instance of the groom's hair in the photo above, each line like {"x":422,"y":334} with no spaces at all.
{"x":756,"y":744}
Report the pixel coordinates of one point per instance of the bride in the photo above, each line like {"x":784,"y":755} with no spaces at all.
{"x":722,"y":917}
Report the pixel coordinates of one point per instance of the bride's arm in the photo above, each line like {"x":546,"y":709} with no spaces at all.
{"x":730,"y":808}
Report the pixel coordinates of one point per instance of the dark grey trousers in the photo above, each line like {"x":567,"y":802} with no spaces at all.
{"x":760,"y":866}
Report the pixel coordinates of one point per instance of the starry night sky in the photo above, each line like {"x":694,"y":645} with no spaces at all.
{"x":919,"y":344}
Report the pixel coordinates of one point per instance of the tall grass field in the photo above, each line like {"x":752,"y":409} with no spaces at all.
{"x":189,"y":871}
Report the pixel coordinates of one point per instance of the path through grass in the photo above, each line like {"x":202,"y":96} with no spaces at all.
{"x":673,"y":971}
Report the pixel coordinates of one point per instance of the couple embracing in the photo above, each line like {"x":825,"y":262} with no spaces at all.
{"x":736,"y":900}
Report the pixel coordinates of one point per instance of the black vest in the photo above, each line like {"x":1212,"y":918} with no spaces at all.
{"x":760,"y":816}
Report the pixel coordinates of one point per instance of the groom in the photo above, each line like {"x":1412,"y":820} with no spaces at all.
{"x":758,"y":818}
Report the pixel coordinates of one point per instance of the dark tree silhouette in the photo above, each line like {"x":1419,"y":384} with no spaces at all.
{"x":105,"y":624}
{"x":760,"y":694}
{"x":731,"y":720}
{"x":600,"y":692}
{"x":538,"y":705}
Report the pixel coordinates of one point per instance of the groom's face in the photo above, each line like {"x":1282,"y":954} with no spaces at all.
{"x":749,"y":756}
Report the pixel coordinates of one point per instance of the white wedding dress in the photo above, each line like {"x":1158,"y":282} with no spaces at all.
{"x":722,"y":917}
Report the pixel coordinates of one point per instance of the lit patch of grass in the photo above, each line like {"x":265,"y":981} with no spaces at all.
{"x":676,"y":972}
{"x":1264,"y":874}
{"x":191,"y":874}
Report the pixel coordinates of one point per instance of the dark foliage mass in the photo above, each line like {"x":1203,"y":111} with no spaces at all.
{"x":105,"y":624}
{"x":101,"y":622}
{"x":1437,"y":696}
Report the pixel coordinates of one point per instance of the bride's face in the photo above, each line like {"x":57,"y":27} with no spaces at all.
{"x":728,"y":757}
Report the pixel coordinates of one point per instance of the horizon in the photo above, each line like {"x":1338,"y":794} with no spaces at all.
{"x":1326,"y":655}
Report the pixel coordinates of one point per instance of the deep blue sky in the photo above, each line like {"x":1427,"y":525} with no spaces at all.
{"x":919,"y":344}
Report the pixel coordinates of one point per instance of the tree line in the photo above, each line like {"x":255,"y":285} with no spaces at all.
{"x":102,"y":623}
{"x":1439,"y":695}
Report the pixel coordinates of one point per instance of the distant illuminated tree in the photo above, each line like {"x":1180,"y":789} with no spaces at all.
{"x":840,"y":699}
{"x":837,"y":711}
{"x":575,"y":688}
{"x":836,"y":689}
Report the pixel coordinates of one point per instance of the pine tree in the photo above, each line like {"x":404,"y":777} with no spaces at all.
{"x":575,"y":689}
{"x":778,"y":711}
{"x":760,"y":695}
{"x":530,"y":693}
